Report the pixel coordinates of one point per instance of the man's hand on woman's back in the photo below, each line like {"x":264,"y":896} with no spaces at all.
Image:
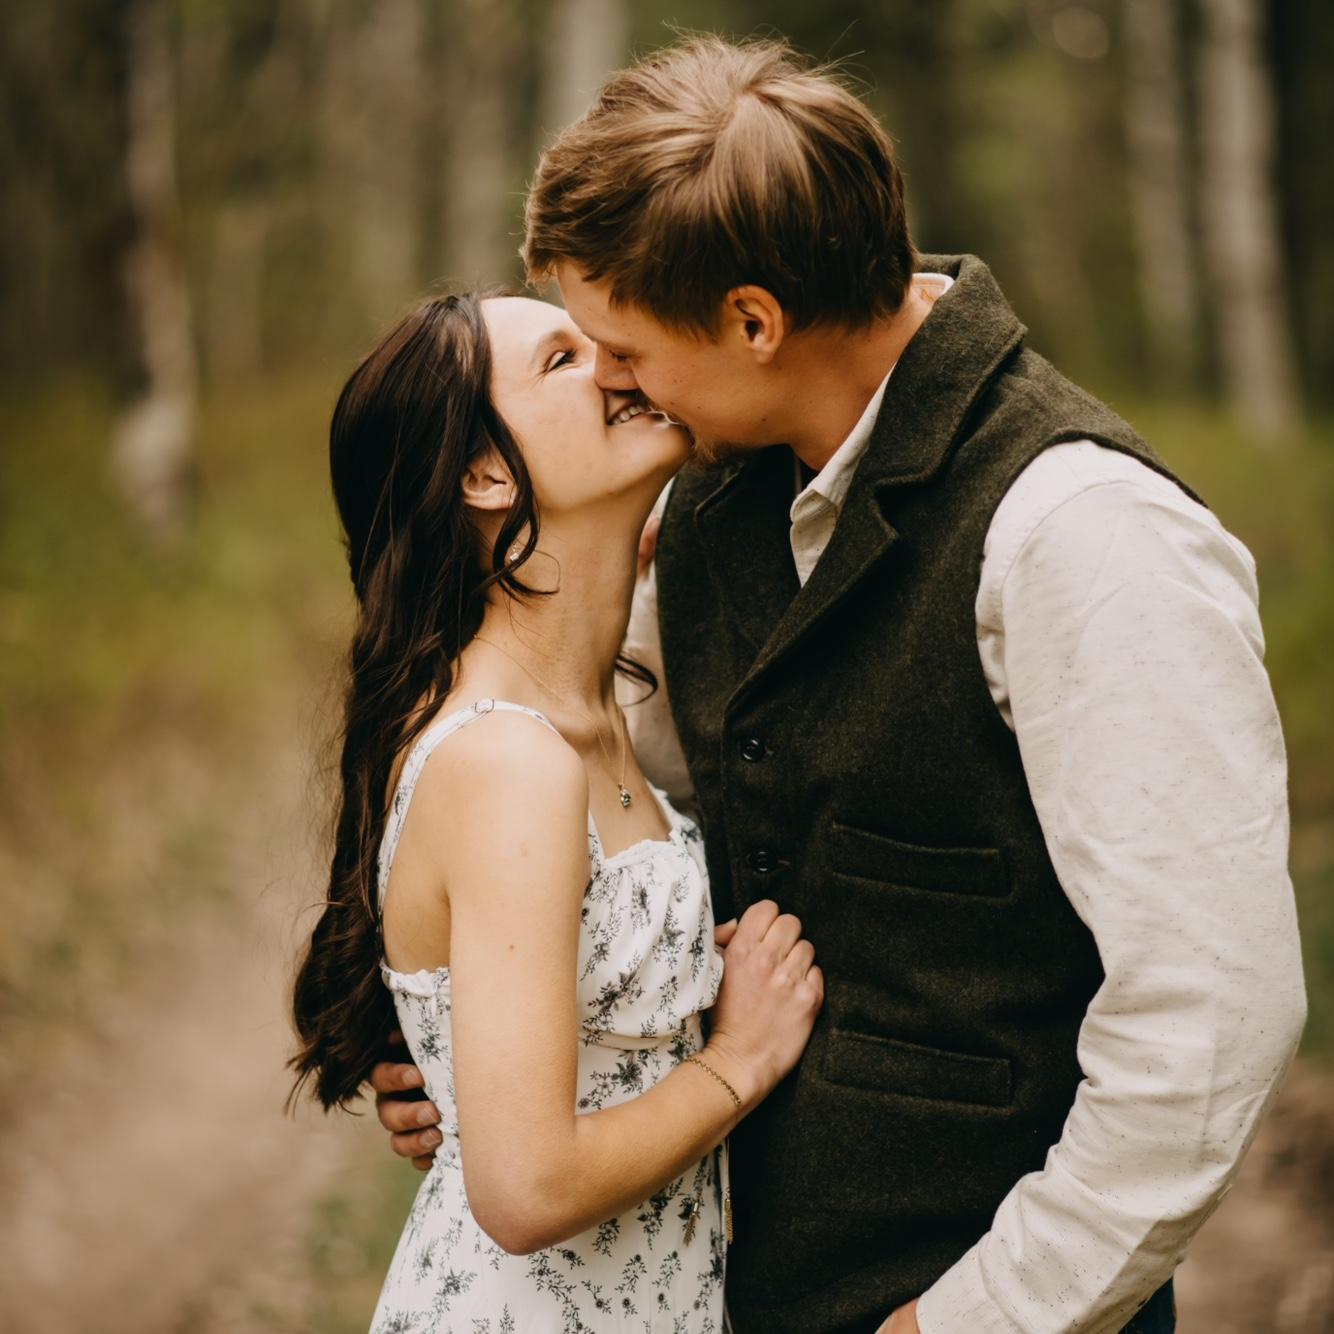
{"x":411,"y":1119}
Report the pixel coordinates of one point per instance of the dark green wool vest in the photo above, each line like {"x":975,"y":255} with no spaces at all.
{"x":850,"y":763}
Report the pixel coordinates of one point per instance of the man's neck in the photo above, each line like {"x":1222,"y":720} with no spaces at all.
{"x":835,"y":373}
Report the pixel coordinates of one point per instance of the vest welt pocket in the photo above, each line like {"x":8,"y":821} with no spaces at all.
{"x":869,"y":856}
{"x":868,"y":1061}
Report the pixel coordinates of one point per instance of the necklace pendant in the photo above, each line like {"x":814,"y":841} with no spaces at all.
{"x":625,"y":797}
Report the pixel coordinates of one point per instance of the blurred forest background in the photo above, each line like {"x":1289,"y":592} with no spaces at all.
{"x":207,"y":213}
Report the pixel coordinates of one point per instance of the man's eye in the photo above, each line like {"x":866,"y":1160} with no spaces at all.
{"x":560,"y":359}
{"x":619,"y":356}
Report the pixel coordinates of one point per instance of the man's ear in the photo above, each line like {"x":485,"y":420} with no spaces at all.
{"x":487,"y":484}
{"x":754,"y":314}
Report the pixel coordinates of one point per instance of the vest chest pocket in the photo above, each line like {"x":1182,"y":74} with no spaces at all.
{"x":865,"y":1060}
{"x":868,"y":856}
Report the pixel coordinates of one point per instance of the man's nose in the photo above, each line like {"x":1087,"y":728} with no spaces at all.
{"x":612,"y":374}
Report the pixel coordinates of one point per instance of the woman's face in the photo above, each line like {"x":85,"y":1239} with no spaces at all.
{"x":584,"y":447}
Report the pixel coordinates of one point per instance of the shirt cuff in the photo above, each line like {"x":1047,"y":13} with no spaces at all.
{"x":959,"y":1300}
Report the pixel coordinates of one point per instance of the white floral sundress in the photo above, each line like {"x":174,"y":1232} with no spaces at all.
{"x":647,"y":969}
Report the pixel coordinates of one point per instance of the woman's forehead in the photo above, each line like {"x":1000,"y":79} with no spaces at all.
{"x":517,"y":324}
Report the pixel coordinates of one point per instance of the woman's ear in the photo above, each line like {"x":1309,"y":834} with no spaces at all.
{"x":487,"y":484}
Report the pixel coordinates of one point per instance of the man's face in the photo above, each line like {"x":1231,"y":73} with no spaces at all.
{"x":712,"y":385}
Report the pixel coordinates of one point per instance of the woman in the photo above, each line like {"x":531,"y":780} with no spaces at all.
{"x":505,"y":885}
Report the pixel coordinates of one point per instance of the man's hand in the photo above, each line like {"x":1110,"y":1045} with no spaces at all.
{"x":903,"y":1321}
{"x":648,"y":542}
{"x":405,"y":1112}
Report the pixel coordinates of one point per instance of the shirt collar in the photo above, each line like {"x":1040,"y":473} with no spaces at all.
{"x":830,"y":485}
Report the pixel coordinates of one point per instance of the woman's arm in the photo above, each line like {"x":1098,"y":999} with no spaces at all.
{"x":507,"y":815}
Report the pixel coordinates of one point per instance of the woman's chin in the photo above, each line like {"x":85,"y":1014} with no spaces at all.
{"x":665,"y":441}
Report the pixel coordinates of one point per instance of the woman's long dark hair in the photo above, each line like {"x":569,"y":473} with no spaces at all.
{"x":409,"y":421}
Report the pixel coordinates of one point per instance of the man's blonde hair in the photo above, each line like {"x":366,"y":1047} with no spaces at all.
{"x":709,"y":165}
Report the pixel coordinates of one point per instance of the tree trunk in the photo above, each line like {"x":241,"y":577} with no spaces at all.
{"x":373,"y":114}
{"x":386,"y":190}
{"x":1160,"y":177}
{"x":234,"y":311}
{"x":152,"y":452}
{"x":482,"y":188}
{"x":1240,"y":215}
{"x":586,"y":41}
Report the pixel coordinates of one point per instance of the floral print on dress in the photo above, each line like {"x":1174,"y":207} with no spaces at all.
{"x":647,"y":970}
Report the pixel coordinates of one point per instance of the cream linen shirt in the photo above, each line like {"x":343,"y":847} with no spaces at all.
{"x":1118,"y":631}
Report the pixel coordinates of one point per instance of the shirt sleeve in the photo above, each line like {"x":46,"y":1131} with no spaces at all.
{"x":649,"y":716}
{"x":1119,"y":631}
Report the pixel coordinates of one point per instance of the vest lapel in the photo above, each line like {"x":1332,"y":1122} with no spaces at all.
{"x":935,"y":384}
{"x":745,"y":530}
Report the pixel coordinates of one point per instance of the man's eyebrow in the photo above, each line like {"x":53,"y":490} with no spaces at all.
{"x":552,"y":338}
{"x":606,"y":344}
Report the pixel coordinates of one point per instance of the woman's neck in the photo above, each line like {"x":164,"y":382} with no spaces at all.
{"x":566,"y":639}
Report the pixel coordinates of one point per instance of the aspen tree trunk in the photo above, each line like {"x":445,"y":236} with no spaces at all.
{"x":1160,"y":188}
{"x":373,"y":116}
{"x":152,"y":450}
{"x":234,"y":311}
{"x":387,"y":189}
{"x":1240,"y":215}
{"x":481,"y":202}
{"x":586,"y":41}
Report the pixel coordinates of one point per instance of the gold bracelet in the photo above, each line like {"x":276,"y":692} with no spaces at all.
{"x":703,"y":1065}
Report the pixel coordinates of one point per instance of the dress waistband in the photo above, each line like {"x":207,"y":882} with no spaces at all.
{"x":691,"y":1031}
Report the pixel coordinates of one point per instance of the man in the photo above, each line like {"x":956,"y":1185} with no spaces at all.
{"x":963,"y":677}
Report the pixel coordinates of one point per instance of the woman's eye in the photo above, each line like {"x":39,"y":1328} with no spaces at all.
{"x":560,"y":359}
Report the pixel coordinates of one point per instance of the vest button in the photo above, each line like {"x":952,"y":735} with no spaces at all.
{"x":753,"y":749}
{"x":762,"y":861}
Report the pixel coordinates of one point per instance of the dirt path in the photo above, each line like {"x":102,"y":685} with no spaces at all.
{"x":156,"y":1187}
{"x":1264,"y":1264}
{"x":155,"y":1170}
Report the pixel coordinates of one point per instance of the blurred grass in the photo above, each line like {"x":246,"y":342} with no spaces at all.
{"x":352,"y":1237}
{"x":148,"y":705}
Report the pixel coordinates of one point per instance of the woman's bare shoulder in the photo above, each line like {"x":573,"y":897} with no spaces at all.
{"x":505,"y":775}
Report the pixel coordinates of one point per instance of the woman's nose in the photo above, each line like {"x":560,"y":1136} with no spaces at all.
{"x":612,"y":374}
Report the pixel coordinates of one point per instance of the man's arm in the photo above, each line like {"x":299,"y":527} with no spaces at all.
{"x":1118,"y":624}
{"x":652,"y":731}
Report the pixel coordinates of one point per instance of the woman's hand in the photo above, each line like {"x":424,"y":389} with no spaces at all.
{"x":648,"y":543}
{"x":766,"y":1007}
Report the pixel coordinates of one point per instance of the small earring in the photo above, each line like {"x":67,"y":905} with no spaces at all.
{"x":515,"y":552}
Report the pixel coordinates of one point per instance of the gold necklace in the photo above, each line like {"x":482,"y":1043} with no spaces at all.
{"x":597,"y":732}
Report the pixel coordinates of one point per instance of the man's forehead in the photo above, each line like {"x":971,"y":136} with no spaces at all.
{"x":616,"y":325}
{"x":589,"y":304}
